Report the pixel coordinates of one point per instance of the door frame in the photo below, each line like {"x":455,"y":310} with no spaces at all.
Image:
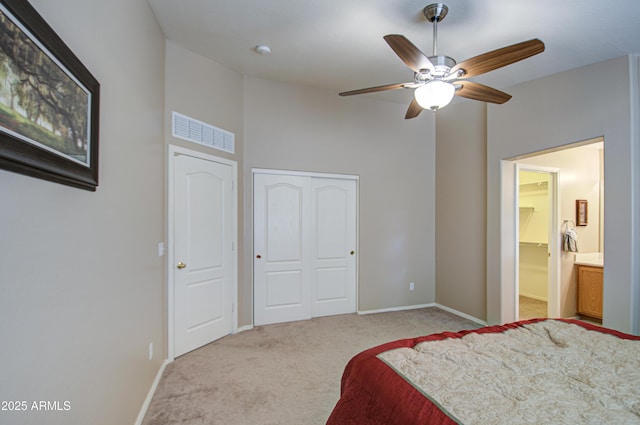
{"x":509,"y":230}
{"x":255,"y":171}
{"x":553,"y":244}
{"x":173,"y":152}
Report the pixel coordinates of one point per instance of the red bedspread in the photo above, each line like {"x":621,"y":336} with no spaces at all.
{"x":374,"y":394}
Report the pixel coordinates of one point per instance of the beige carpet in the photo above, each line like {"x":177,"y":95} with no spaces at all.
{"x":280,"y":374}
{"x":531,"y":308}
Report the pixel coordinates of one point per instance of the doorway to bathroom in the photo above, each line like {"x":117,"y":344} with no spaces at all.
{"x":580,"y":177}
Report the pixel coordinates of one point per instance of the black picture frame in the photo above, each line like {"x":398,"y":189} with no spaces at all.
{"x":48,"y":126}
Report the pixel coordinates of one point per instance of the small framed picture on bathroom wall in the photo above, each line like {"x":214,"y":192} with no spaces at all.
{"x":582,"y":215}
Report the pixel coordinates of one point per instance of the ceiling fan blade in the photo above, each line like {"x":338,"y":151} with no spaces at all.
{"x":477,"y":91}
{"x":413,"y":111}
{"x":499,"y":58}
{"x":373,"y":89}
{"x":409,"y":53}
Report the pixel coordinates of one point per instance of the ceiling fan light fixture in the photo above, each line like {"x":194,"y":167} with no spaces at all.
{"x":434,"y":95}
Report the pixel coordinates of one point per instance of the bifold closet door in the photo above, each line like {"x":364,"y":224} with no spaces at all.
{"x":333,"y":215}
{"x":304,"y":247}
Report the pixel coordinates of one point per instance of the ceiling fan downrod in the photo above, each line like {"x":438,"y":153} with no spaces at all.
{"x":435,"y":13}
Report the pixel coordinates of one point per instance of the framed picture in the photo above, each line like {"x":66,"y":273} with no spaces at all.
{"x":581,"y":212}
{"x":48,"y":102}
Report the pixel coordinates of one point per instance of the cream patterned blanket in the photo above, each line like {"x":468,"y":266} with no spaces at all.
{"x":548,"y":372}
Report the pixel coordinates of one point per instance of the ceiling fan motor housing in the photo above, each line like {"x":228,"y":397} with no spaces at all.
{"x":442,"y":64}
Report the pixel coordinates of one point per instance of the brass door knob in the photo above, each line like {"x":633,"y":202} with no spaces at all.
{"x":181,"y":265}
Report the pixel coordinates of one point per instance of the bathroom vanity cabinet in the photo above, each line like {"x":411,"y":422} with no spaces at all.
{"x":590,"y":291}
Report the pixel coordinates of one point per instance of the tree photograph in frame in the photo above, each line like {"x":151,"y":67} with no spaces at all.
{"x":48,"y":102}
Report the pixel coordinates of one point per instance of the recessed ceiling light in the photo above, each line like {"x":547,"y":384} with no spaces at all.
{"x":263,"y":50}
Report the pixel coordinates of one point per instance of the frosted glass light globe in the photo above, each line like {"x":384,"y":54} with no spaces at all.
{"x":434,"y":95}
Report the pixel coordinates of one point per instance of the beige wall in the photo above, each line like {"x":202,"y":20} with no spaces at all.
{"x":83,"y":287}
{"x":202,"y":89}
{"x":300,"y":128}
{"x":543,"y":114}
{"x":634,"y":180}
{"x":81,"y":283}
{"x":290,"y":127}
{"x":461,"y":208}
{"x":555,"y":111}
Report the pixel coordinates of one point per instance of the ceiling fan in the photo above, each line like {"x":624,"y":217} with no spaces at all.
{"x":438,"y":78}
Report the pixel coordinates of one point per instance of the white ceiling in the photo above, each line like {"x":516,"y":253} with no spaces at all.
{"x":338,"y":44}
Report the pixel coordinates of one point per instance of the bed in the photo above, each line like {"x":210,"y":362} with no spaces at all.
{"x":538,"y":371}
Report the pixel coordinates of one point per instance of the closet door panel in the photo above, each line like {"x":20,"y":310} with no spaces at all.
{"x":334,"y":255}
{"x":304,"y":247}
{"x":281,"y":246}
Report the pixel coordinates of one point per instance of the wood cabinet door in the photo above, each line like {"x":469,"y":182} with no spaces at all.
{"x":590,"y":291}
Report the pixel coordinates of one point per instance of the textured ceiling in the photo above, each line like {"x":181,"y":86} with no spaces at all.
{"x":338,"y":44}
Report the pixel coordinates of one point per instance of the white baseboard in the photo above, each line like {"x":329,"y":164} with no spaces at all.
{"x":461,"y":314}
{"x":243,"y":328}
{"x":534,"y":297}
{"x":386,"y":310}
{"x":414,"y":307}
{"x":152,"y":390}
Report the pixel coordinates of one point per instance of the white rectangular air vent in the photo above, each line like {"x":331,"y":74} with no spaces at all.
{"x":190,"y":129}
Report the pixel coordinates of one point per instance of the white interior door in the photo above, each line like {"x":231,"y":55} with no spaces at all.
{"x":281,"y":245}
{"x":333,"y":289}
{"x":304,"y":243}
{"x":203,"y":273}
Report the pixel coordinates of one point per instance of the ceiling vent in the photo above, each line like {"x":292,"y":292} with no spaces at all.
{"x":186,"y":128}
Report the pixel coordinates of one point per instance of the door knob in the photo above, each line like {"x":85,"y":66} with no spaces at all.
{"x":352,"y":252}
{"x":258,"y":256}
{"x":181,"y":265}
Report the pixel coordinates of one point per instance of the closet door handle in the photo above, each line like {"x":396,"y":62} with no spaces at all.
{"x":258,"y":256}
{"x":181,"y":265}
{"x":352,"y":252}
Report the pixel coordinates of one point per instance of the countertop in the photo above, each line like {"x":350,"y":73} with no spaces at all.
{"x":594,"y":259}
